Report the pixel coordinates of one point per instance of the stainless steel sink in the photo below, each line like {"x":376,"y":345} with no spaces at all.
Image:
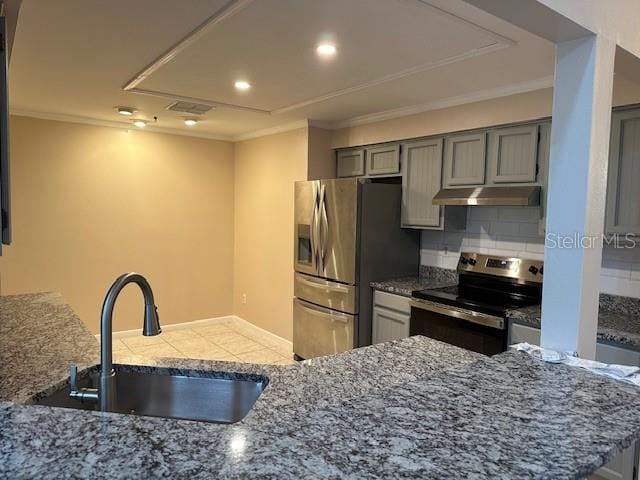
{"x":160,"y":394}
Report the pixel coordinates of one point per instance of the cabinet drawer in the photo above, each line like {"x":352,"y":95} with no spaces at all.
{"x":522,"y":334}
{"x":383,"y":160}
{"x":392,"y":301}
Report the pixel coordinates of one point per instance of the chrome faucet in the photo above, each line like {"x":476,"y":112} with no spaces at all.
{"x":105,"y":393}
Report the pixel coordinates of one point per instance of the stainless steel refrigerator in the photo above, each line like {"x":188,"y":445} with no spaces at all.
{"x":347,"y":234}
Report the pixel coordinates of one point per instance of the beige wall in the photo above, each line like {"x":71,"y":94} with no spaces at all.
{"x":512,"y":108}
{"x":90,"y":203}
{"x":321,"y":158}
{"x":265,"y":169}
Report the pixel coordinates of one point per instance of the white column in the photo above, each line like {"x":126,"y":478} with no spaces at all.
{"x":576,"y":192}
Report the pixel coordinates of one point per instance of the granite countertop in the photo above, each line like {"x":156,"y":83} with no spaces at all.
{"x":618,"y":319}
{"x":415,"y":408}
{"x":429,"y":277}
{"x":614,"y":327}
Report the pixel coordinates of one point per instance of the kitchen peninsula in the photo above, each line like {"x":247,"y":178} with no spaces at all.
{"x":415,"y":408}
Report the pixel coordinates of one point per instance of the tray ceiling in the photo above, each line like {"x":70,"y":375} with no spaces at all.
{"x":272,"y":44}
{"x":80,"y":58}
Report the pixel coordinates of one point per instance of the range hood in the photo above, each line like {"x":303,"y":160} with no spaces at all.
{"x":527,"y":196}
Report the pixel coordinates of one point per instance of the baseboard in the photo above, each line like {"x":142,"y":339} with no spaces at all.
{"x":276,"y":338}
{"x":207,"y":321}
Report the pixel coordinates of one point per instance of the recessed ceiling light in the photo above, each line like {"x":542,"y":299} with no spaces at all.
{"x":190,"y":122}
{"x":326,"y":50}
{"x":127,"y":111}
{"x":242,"y":85}
{"x":140,"y":123}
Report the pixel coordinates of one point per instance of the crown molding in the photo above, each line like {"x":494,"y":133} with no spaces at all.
{"x":473,"y":97}
{"x":61,"y":117}
{"x":285,"y":127}
{"x":488,"y":94}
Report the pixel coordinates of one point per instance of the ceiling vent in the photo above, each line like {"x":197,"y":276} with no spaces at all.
{"x":188,"y":107}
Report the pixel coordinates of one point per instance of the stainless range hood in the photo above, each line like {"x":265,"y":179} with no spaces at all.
{"x":526,"y":196}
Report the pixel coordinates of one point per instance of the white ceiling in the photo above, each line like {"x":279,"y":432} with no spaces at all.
{"x":72,"y":59}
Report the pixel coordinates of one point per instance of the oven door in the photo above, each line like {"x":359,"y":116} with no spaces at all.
{"x":479,"y":332}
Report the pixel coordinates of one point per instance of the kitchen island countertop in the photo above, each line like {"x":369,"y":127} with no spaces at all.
{"x":414,"y":408}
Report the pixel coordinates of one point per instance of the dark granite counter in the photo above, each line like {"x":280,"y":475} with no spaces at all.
{"x":414,"y":408}
{"x":614,"y":327}
{"x":430,"y":277}
{"x":39,"y":336}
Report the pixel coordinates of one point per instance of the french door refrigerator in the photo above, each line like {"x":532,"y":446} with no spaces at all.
{"x":347,"y":234}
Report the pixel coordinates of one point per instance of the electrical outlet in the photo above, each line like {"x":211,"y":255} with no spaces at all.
{"x":244,"y":298}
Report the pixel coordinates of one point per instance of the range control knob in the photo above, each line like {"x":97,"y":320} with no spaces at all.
{"x":541,"y":270}
{"x":464,"y":260}
{"x":472,"y":261}
{"x":533,"y":269}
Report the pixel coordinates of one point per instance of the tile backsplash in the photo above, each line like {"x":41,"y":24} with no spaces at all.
{"x":514,"y":231}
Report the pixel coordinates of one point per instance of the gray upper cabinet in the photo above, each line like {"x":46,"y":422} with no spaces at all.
{"x":421,"y":180}
{"x":464,"y":159}
{"x":350,"y":162}
{"x":383,"y":160}
{"x":623,"y":190}
{"x":513,"y":154}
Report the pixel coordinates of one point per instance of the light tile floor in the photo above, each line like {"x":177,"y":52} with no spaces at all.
{"x":233,"y":341}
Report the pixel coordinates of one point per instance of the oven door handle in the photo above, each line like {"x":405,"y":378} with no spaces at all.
{"x":463,"y":314}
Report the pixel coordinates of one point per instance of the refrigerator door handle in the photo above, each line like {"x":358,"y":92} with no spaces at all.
{"x":324,"y":312}
{"x":324,"y":225}
{"x":323,"y":284}
{"x":314,"y":227}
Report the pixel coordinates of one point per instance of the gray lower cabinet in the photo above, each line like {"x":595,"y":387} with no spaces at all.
{"x":513,"y":154}
{"x":391,"y":315}
{"x":464,"y":159}
{"x":421,"y":180}
{"x":350,"y":163}
{"x":623,"y":189}
{"x":383,"y":160}
{"x":622,"y":466}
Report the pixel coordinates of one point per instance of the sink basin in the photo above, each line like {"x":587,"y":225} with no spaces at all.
{"x":157,"y":393}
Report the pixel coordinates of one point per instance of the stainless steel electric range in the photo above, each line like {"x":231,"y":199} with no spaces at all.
{"x":472,"y":314}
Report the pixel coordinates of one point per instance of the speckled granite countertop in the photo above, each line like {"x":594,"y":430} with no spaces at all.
{"x":430,"y":277}
{"x":618,"y":320}
{"x":39,"y":336}
{"x":614,"y":327}
{"x":415,"y":408}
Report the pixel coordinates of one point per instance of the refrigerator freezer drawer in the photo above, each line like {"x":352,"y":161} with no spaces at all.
{"x":319,"y":331}
{"x":333,"y":295}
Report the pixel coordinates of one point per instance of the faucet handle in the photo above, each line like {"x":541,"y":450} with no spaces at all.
{"x":73,"y":377}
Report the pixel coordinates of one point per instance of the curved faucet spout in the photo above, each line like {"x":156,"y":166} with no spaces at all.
{"x":151,"y":327}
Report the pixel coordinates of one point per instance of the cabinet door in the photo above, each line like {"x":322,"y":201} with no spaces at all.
{"x":513,"y":154}
{"x":544,"y":146}
{"x":350,"y":163}
{"x":421,"y":180}
{"x":389,"y":325}
{"x":464,"y":159}
{"x":623,"y":190}
{"x":383,"y":160}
